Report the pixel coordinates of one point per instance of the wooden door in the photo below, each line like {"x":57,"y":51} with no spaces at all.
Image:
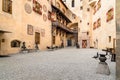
{"x":37,"y":37}
{"x":84,"y":43}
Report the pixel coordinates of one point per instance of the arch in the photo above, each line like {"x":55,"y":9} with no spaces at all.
{"x":15,"y":43}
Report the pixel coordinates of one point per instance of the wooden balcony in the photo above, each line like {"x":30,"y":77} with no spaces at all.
{"x":58,"y":11}
{"x":63,"y":27}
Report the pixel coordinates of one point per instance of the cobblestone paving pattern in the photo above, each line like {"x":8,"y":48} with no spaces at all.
{"x":61,"y":64}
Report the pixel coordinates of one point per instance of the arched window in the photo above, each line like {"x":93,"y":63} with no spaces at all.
{"x":15,"y":43}
{"x":73,"y":3}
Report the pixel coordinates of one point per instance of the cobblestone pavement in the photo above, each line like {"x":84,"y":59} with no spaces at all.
{"x":62,"y":64}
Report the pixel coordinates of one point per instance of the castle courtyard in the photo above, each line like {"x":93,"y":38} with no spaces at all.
{"x":61,"y":64}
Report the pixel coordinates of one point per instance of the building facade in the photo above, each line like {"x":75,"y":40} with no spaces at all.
{"x":29,"y":24}
{"x":103,"y":24}
{"x":26,"y":21}
{"x":64,"y":34}
{"x":97,"y":22}
{"x":82,"y":10}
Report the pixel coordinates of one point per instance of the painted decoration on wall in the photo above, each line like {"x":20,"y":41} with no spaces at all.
{"x":94,"y":25}
{"x":49,"y":15}
{"x":44,"y":17}
{"x":44,"y":8}
{"x":43,"y":32}
{"x":98,"y":22}
{"x":94,"y":9}
{"x":110,"y":15}
{"x":30,"y":29}
{"x":37,"y":7}
{"x":99,"y":5}
{"x":28,"y":8}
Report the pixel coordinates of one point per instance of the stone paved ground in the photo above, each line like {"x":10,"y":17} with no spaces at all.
{"x":62,"y":64}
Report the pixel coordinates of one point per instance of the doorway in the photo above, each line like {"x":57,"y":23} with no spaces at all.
{"x":84,"y":43}
{"x":69,"y":42}
{"x":0,"y":48}
{"x":37,"y":37}
{"x":53,"y":40}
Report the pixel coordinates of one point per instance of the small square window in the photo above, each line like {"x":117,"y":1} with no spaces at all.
{"x":80,"y":21}
{"x":81,"y":7}
{"x":88,"y":9}
{"x":109,"y":39}
{"x":7,"y":6}
{"x":88,"y":23}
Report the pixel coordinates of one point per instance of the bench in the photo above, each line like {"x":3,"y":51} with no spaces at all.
{"x":28,"y":50}
{"x":52,"y":48}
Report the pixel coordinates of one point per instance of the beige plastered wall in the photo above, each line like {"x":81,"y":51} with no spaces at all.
{"x":107,"y":28}
{"x":17,"y":23}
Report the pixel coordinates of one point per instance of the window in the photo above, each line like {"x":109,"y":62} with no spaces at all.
{"x":81,"y":7}
{"x":15,"y":43}
{"x":64,"y":0}
{"x":88,"y":23}
{"x":87,"y":33}
{"x":29,"y":29}
{"x":73,"y":3}
{"x":88,"y":9}
{"x":99,"y":5}
{"x":80,"y":21}
{"x":109,"y":39}
{"x":7,"y":6}
{"x":73,"y":16}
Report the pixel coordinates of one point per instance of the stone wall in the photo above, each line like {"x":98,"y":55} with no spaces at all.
{"x":118,"y":39}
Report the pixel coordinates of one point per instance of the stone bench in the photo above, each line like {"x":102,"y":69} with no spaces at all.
{"x":52,"y":48}
{"x":28,"y":50}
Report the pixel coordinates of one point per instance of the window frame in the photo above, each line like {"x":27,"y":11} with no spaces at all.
{"x":7,"y":6}
{"x":73,"y":3}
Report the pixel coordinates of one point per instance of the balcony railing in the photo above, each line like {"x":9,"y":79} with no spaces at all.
{"x":58,"y":11}
{"x":64,"y":27}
